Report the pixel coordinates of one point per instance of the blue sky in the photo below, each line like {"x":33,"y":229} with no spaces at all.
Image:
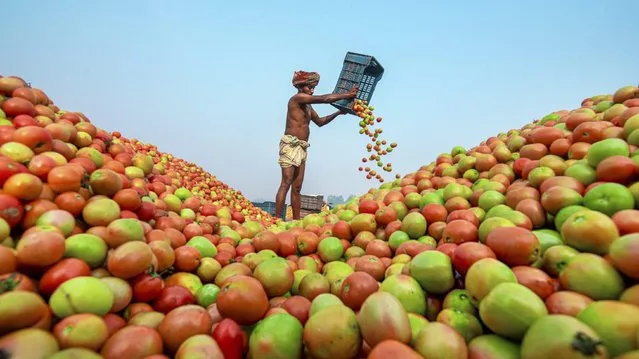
{"x":208,"y":81}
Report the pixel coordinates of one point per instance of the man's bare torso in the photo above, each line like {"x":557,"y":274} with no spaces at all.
{"x":298,"y":118}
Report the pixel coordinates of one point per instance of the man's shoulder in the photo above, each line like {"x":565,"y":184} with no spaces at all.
{"x":294,"y":100}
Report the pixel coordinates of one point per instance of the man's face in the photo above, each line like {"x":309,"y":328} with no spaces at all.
{"x":309,"y":90}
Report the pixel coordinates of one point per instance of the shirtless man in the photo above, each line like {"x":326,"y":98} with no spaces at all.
{"x":294,"y":143}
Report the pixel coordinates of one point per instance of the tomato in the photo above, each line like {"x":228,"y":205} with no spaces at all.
{"x":8,"y":168}
{"x":191,"y":230}
{"x":534,"y":279}
{"x":436,"y":229}
{"x":266,"y":240}
{"x":627,"y":221}
{"x":546,"y":135}
{"x":434,"y":212}
{"x":176,"y":237}
{"x":15,"y":106}
{"x":392,"y":227}
{"x":71,"y":202}
{"x":67,"y":178}
{"x":187,"y":258}
{"x":243,"y":299}
{"x":393,"y":196}
{"x":6,"y":135}
{"x":182,"y":323}
{"x":130,"y":259}
{"x":307,"y":242}
{"x":84,"y":163}
{"x":412,"y":248}
{"x":34,"y":137}
{"x":133,"y":341}
{"x":40,"y":165}
{"x":299,"y":307}
{"x":391,"y":348}
{"x":225,"y":258}
{"x":163,"y":254}
{"x":514,"y":246}
{"x":172,"y":297}
{"x":8,"y":260}
{"x":40,"y":249}
{"x":34,"y":209}
{"x":134,"y":309}
{"x":385,"y":215}
{"x":567,"y":303}
{"x":371,"y":265}
{"x":460,"y":231}
{"x":16,"y":281}
{"x":61,"y":272}
{"x":11,"y":209}
{"x":114,"y":322}
{"x":378,"y":248}
{"x":463,"y":214}
{"x":368,"y":206}
{"x":468,"y":253}
{"x":356,"y":288}
{"x":288,"y":243}
{"x":619,"y":169}
{"x":448,"y":248}
{"x":146,"y":211}
{"x":578,"y":150}
{"x":147,"y":287}
{"x":231,"y":338}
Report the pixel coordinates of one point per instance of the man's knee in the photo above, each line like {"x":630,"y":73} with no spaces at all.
{"x":287,"y":182}
{"x":297,"y":188}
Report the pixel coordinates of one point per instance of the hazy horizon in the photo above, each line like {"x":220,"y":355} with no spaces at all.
{"x":209,"y":81}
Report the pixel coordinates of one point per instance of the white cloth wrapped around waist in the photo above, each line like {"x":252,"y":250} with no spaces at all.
{"x":292,"y":151}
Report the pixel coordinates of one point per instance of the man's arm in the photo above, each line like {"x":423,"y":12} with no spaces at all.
{"x":303,"y":98}
{"x":321,"y":121}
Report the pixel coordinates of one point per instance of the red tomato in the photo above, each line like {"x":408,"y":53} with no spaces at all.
{"x":61,"y":272}
{"x":147,"y":287}
{"x":231,"y":339}
{"x":8,"y":168}
{"x":171,"y":297}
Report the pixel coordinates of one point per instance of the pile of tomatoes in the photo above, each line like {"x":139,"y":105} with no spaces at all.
{"x":380,"y":146}
{"x":77,"y":202}
{"x":524,"y":246}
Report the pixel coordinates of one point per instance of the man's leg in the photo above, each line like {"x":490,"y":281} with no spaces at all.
{"x":285,"y":184}
{"x":296,"y":190}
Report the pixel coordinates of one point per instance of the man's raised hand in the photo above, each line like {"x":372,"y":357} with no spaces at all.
{"x":353,"y":92}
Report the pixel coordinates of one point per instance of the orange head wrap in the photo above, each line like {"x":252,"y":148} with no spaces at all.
{"x":303,"y":78}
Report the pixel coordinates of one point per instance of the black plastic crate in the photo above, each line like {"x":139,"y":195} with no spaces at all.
{"x":270,"y":208}
{"x":363,"y":70}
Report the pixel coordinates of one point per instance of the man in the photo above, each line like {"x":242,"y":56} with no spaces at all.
{"x":294,"y":143}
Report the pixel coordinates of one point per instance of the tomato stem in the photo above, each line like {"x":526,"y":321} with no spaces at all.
{"x":585,"y":344}
{"x":10,"y":283}
{"x":152,"y":271}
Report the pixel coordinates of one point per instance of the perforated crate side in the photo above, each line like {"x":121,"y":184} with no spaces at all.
{"x":312,"y":202}
{"x":358,"y":69}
